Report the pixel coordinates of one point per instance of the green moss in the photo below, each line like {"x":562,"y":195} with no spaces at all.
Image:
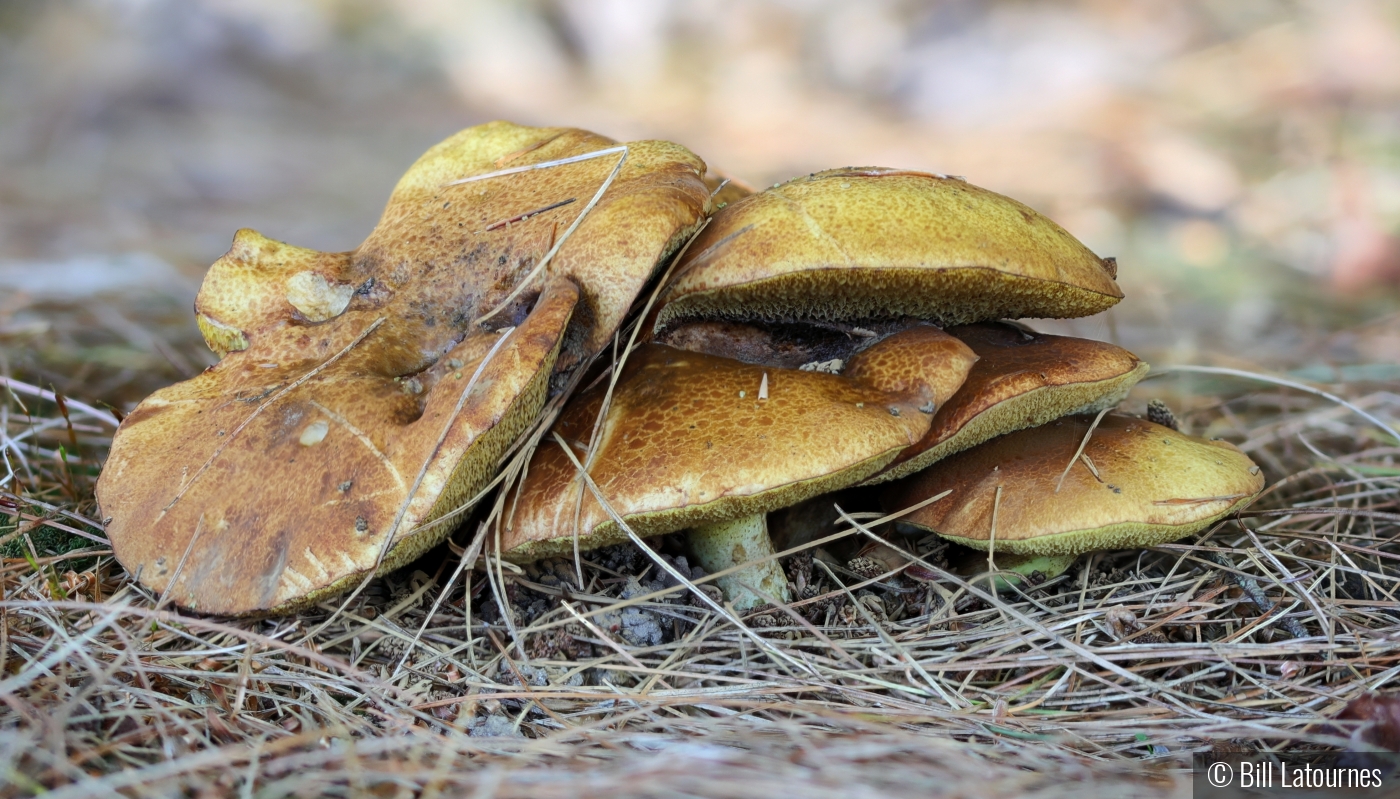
{"x":48,"y":542}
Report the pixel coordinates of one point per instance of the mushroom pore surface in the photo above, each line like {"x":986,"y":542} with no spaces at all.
{"x":866,"y":243}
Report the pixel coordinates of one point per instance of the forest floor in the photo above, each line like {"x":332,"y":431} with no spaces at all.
{"x":1249,"y":637}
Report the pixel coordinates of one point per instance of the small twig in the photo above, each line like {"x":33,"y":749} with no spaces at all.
{"x":528,"y":214}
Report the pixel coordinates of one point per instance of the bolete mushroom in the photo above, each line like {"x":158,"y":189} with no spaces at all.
{"x":693,"y":440}
{"x":1021,"y":379}
{"x":868,"y":243}
{"x":362,"y":396}
{"x":1134,"y":484}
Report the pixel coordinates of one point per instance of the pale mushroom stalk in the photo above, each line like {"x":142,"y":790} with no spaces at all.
{"x":1047,"y":566}
{"x":723,"y":545}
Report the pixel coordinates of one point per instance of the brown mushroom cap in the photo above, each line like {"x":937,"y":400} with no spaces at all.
{"x":1138,"y":484}
{"x":277,"y":476}
{"x":872,"y":242}
{"x":820,"y":347}
{"x":259,"y":487}
{"x":1021,"y":379}
{"x":451,"y":252}
{"x":689,"y":439}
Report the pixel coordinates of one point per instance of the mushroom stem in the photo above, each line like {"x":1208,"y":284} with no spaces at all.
{"x":722,"y":545}
{"x":1011,"y":568}
{"x":1048,"y":566}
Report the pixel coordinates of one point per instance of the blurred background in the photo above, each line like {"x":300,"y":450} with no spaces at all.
{"x":1241,"y":158}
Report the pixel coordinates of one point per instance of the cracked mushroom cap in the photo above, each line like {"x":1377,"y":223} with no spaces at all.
{"x":862,"y":243}
{"x":1021,"y":379}
{"x":691,"y":438}
{"x":355,"y":401}
{"x":1137,"y":484}
{"x":450,"y":252}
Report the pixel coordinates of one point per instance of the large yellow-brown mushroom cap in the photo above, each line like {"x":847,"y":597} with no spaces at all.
{"x":691,"y":438}
{"x":872,"y":242}
{"x":1021,"y":379}
{"x":1136,"y":484}
{"x":338,"y":425}
{"x":451,"y":252}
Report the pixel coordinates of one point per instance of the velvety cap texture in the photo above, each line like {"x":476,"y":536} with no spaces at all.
{"x":873,"y":242}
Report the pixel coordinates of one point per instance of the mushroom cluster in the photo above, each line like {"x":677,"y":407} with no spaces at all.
{"x":845,"y":328}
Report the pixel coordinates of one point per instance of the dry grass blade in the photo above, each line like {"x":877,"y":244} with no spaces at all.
{"x":1078,"y":453}
{"x":1388,"y":429}
{"x":544,"y":262}
{"x":615,"y":372}
{"x":20,"y":387}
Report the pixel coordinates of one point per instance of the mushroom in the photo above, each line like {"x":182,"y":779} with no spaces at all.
{"x":865,"y":243}
{"x":364,"y":396}
{"x":846,"y":250}
{"x":1021,"y":379}
{"x":1035,"y":492}
{"x":699,"y":441}
{"x":1011,"y":568}
{"x":462,"y":232}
